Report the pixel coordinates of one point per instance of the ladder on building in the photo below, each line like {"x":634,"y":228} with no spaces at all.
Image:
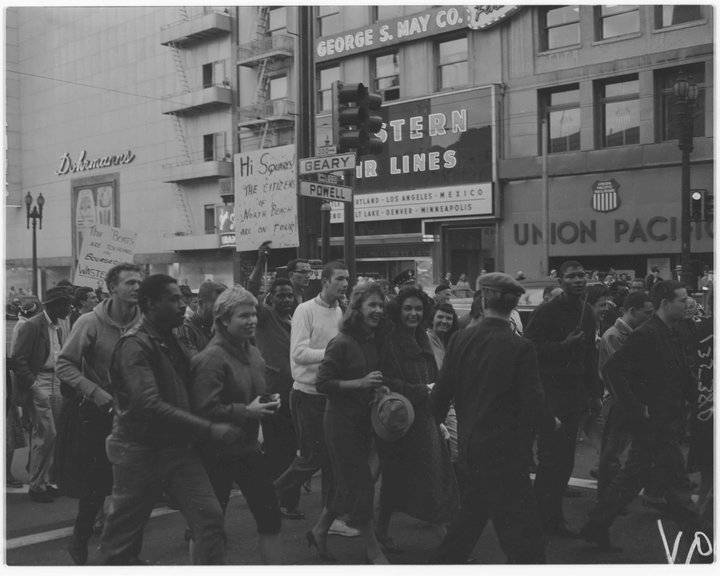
{"x":184,"y":222}
{"x":262,"y":80}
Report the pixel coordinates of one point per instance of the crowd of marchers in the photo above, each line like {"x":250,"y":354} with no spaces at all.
{"x":137,"y":399}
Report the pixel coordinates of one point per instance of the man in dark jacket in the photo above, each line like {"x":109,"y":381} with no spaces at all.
{"x":272,"y":338}
{"x":197,"y":331}
{"x":35,"y":352}
{"x":492,"y":375}
{"x":563,"y":331}
{"x":652,"y":380}
{"x":152,"y":445}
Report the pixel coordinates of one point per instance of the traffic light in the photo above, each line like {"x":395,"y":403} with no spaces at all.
{"x":696,"y":205}
{"x":356,"y":118}
{"x":709,"y":211}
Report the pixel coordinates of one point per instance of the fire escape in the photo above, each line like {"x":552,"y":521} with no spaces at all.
{"x":265,"y":121}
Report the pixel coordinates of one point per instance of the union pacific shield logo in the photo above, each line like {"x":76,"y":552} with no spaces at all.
{"x":605,"y":195}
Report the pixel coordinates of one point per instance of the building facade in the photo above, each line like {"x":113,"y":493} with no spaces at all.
{"x":133,"y":116}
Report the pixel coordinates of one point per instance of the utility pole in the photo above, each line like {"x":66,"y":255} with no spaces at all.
{"x":308,"y":208}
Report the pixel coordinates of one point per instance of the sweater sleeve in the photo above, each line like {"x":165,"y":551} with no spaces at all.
{"x":300,"y":350}
{"x":69,"y":363}
{"x":331,"y":367}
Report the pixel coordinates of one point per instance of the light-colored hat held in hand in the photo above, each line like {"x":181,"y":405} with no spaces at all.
{"x":392,"y":415}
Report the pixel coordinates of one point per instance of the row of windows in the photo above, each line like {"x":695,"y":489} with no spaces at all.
{"x":617,"y":110}
{"x":451,"y":64}
{"x":560,"y":25}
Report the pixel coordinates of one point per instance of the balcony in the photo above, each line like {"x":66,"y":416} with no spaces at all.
{"x":280,"y":110}
{"x":184,"y":173}
{"x":277,"y":49}
{"x":198,"y":101}
{"x":185,"y":32}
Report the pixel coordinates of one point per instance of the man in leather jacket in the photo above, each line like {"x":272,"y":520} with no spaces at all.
{"x":152,"y":445}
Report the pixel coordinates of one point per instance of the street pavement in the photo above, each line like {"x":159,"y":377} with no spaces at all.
{"x":37,"y":534}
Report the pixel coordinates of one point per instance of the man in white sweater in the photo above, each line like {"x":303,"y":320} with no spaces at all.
{"x":314,"y":323}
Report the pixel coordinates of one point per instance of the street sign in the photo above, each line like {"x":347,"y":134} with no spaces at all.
{"x":327,"y":163}
{"x":325,"y":192}
{"x":327,"y":150}
{"x":331,"y":179}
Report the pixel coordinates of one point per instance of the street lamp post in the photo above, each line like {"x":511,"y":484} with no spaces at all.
{"x":685,"y":91}
{"x":35,"y":213}
{"x":325,"y":231}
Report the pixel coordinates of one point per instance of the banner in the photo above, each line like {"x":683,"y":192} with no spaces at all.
{"x":102,"y":248}
{"x":266,"y":198}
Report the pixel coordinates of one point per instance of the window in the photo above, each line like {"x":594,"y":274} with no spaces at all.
{"x":452,"y":56}
{"x":213,"y":74}
{"x":559,"y":26}
{"x":327,"y":77}
{"x":209,"y":213}
{"x":278,"y":87}
{"x":619,"y":109}
{"x":386,"y":12}
{"x":677,"y":14}
{"x":328,"y":20}
{"x":612,"y":21}
{"x":277,"y":24}
{"x":665,"y":103}
{"x":561,"y":108}
{"x":214,"y":147}
{"x":386,"y":76}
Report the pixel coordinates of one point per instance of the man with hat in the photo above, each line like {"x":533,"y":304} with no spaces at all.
{"x":36,"y":349}
{"x":406,"y":277}
{"x":491,"y":373}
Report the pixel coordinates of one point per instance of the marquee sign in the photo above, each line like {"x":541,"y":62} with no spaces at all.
{"x":434,"y":20}
{"x":83,"y":164}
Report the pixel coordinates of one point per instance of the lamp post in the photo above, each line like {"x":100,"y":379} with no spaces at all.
{"x":686,"y":92}
{"x":35,"y":213}
{"x":325,"y":231}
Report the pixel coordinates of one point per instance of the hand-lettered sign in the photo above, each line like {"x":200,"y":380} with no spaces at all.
{"x":102,"y":248}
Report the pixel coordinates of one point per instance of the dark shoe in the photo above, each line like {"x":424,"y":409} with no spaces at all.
{"x":40,"y":496}
{"x":12,"y":482}
{"x":312,"y":542}
{"x":293,"y":514}
{"x":388,"y":544}
{"x":561,"y":530}
{"x":599,"y":535}
{"x":78,"y":551}
{"x":54,"y":492}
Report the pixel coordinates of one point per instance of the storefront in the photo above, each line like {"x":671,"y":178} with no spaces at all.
{"x":427,"y":201}
{"x":625,"y":220}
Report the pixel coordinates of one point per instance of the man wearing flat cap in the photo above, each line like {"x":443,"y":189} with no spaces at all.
{"x":35,"y":352}
{"x":491,"y":373}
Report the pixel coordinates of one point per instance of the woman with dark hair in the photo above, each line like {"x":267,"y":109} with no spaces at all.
{"x":418,"y":478}
{"x":443,"y":324}
{"x":349,"y":374}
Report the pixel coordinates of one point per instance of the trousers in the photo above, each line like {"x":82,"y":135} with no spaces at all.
{"x":97,"y":477}
{"x":556,"y":460}
{"x":615,"y":440}
{"x":140,"y":475}
{"x":46,"y":399}
{"x":500,"y":491}
{"x":307,"y":412}
{"x":280,"y":449}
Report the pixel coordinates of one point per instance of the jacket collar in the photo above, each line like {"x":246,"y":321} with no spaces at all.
{"x":234,"y":348}
{"x":622,"y":326}
{"x":414,"y":344}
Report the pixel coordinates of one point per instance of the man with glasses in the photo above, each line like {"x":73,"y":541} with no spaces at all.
{"x":563,"y":331}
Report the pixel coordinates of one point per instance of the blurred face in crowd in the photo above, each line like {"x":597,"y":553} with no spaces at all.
{"x":411,"y":313}
{"x":639,"y":316}
{"x":283,"y":299}
{"x":204,"y":308}
{"x":603,"y":306}
{"x":58,"y":309}
{"x":89,"y":303}
{"x":674,"y":309}
{"x":573,"y":281}
{"x":443,"y":296}
{"x":372,"y":310}
{"x":127,"y":287}
{"x":442,"y":322}
{"x":691,"y":307}
{"x":637,"y":286}
{"x":168,"y":311}
{"x":242,"y":323}
{"x":336,"y":287}
{"x":301,"y":275}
